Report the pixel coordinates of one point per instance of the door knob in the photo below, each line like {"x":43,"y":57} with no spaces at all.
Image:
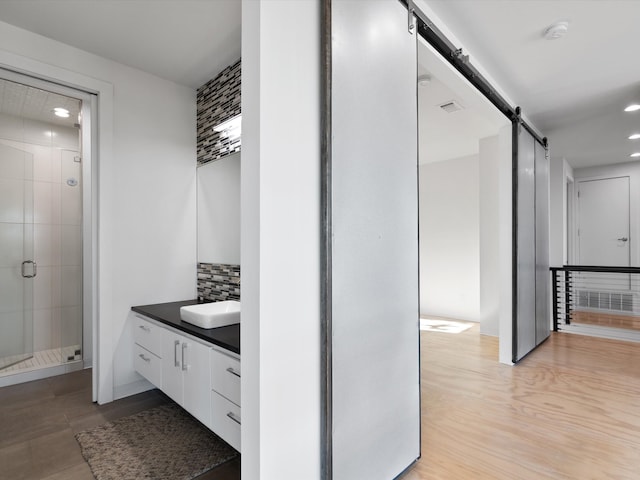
{"x":623,"y":239}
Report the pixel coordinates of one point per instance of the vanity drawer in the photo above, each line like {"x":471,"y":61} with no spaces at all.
{"x":225,"y":420}
{"x":225,"y":375}
{"x":148,"y":335}
{"x":148,"y":365}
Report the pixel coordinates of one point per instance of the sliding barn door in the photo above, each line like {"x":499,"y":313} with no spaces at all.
{"x":531,"y":320}
{"x":373,"y":339}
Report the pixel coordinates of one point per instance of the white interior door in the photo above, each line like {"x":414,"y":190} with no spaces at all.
{"x":603,"y":222}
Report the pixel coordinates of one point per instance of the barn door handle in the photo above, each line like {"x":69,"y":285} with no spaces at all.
{"x":623,"y":239}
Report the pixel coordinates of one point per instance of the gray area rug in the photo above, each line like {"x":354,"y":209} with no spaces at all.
{"x":160,"y":443}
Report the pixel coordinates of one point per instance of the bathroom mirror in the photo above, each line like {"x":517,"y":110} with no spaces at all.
{"x":218,"y":184}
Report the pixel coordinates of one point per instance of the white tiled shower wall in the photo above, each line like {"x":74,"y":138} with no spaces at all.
{"x":57,"y":210}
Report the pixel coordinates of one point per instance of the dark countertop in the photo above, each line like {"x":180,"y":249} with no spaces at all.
{"x":169,"y":313}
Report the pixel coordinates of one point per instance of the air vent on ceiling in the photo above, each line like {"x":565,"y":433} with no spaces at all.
{"x":451,"y":106}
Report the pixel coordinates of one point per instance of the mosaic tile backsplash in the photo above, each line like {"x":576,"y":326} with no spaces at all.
{"x":218,"y":101}
{"x":218,"y":281}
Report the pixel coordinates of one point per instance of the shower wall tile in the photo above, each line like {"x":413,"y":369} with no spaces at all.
{"x":11,"y":200}
{"x":71,"y":286}
{"x":43,"y":245}
{"x":43,"y":287}
{"x":68,"y":165}
{"x":12,"y":162}
{"x":43,"y":164}
{"x":71,"y":245}
{"x":218,"y":281}
{"x":71,"y":326}
{"x":12,"y":236}
{"x":64,"y":137}
{"x":11,"y":291}
{"x":42,"y":327}
{"x":218,"y":101}
{"x":12,"y":334}
{"x":70,"y":204}
{"x":42,"y":208}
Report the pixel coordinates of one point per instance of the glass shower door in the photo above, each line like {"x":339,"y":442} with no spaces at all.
{"x":17,"y":265}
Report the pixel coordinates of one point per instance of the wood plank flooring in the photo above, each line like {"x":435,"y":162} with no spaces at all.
{"x":570,"y":410}
{"x":38,"y":421}
{"x":606,"y":319}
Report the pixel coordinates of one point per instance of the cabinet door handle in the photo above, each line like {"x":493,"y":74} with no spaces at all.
{"x":144,"y":329}
{"x":233,"y":372}
{"x":184,"y":357}
{"x":144,"y":358}
{"x":176,"y":363}
{"x":232,"y":416}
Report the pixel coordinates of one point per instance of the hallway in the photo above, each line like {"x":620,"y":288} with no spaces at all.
{"x":568,"y":411}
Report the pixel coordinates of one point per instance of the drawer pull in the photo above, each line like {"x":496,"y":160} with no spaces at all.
{"x":185,"y":367}
{"x":176,"y":362}
{"x":144,"y":329}
{"x":233,"y":417}
{"x":233,"y":372}
{"x":144,"y":358}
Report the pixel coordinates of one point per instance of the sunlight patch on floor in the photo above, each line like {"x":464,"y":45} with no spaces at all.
{"x":445,"y":326}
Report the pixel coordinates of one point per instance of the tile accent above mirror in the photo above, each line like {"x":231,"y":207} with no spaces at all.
{"x":218,"y":101}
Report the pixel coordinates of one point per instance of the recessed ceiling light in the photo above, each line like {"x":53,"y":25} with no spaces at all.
{"x":635,"y":136}
{"x":632,"y":108}
{"x":637,"y":154}
{"x":61,"y":112}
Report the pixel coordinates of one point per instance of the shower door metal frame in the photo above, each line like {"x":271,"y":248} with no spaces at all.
{"x":88,"y":148}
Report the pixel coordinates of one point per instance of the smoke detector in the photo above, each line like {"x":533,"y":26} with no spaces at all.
{"x":556,"y":30}
{"x":451,"y":106}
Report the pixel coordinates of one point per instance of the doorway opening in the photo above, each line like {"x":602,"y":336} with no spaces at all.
{"x":598,"y":289}
{"x":42,"y":198}
{"x":464,"y":150}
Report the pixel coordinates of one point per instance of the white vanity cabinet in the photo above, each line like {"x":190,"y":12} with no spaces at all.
{"x":185,"y":373}
{"x":225,"y":396}
{"x":198,"y":375}
{"x":148,"y":350}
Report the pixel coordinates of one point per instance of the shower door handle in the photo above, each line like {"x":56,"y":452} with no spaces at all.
{"x":35,"y":269}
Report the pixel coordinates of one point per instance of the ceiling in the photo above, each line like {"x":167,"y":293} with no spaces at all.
{"x":29,"y":102}
{"x":447,"y":136}
{"x":185,"y":41}
{"x":573,"y":89}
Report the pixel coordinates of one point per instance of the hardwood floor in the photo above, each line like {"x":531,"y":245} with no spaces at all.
{"x":38,"y":421}
{"x":570,"y":410}
{"x":605,"y":319}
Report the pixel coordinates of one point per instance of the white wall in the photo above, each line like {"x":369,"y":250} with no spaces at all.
{"x":280,"y":334}
{"x":632,"y":170}
{"x":146,"y":188}
{"x":559,"y":173}
{"x":489,"y":159}
{"x":450,"y":239}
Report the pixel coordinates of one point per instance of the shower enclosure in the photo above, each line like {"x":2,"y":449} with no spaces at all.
{"x":40,"y":229}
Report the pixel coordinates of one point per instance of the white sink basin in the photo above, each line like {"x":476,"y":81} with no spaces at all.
{"x":212,"y":315}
